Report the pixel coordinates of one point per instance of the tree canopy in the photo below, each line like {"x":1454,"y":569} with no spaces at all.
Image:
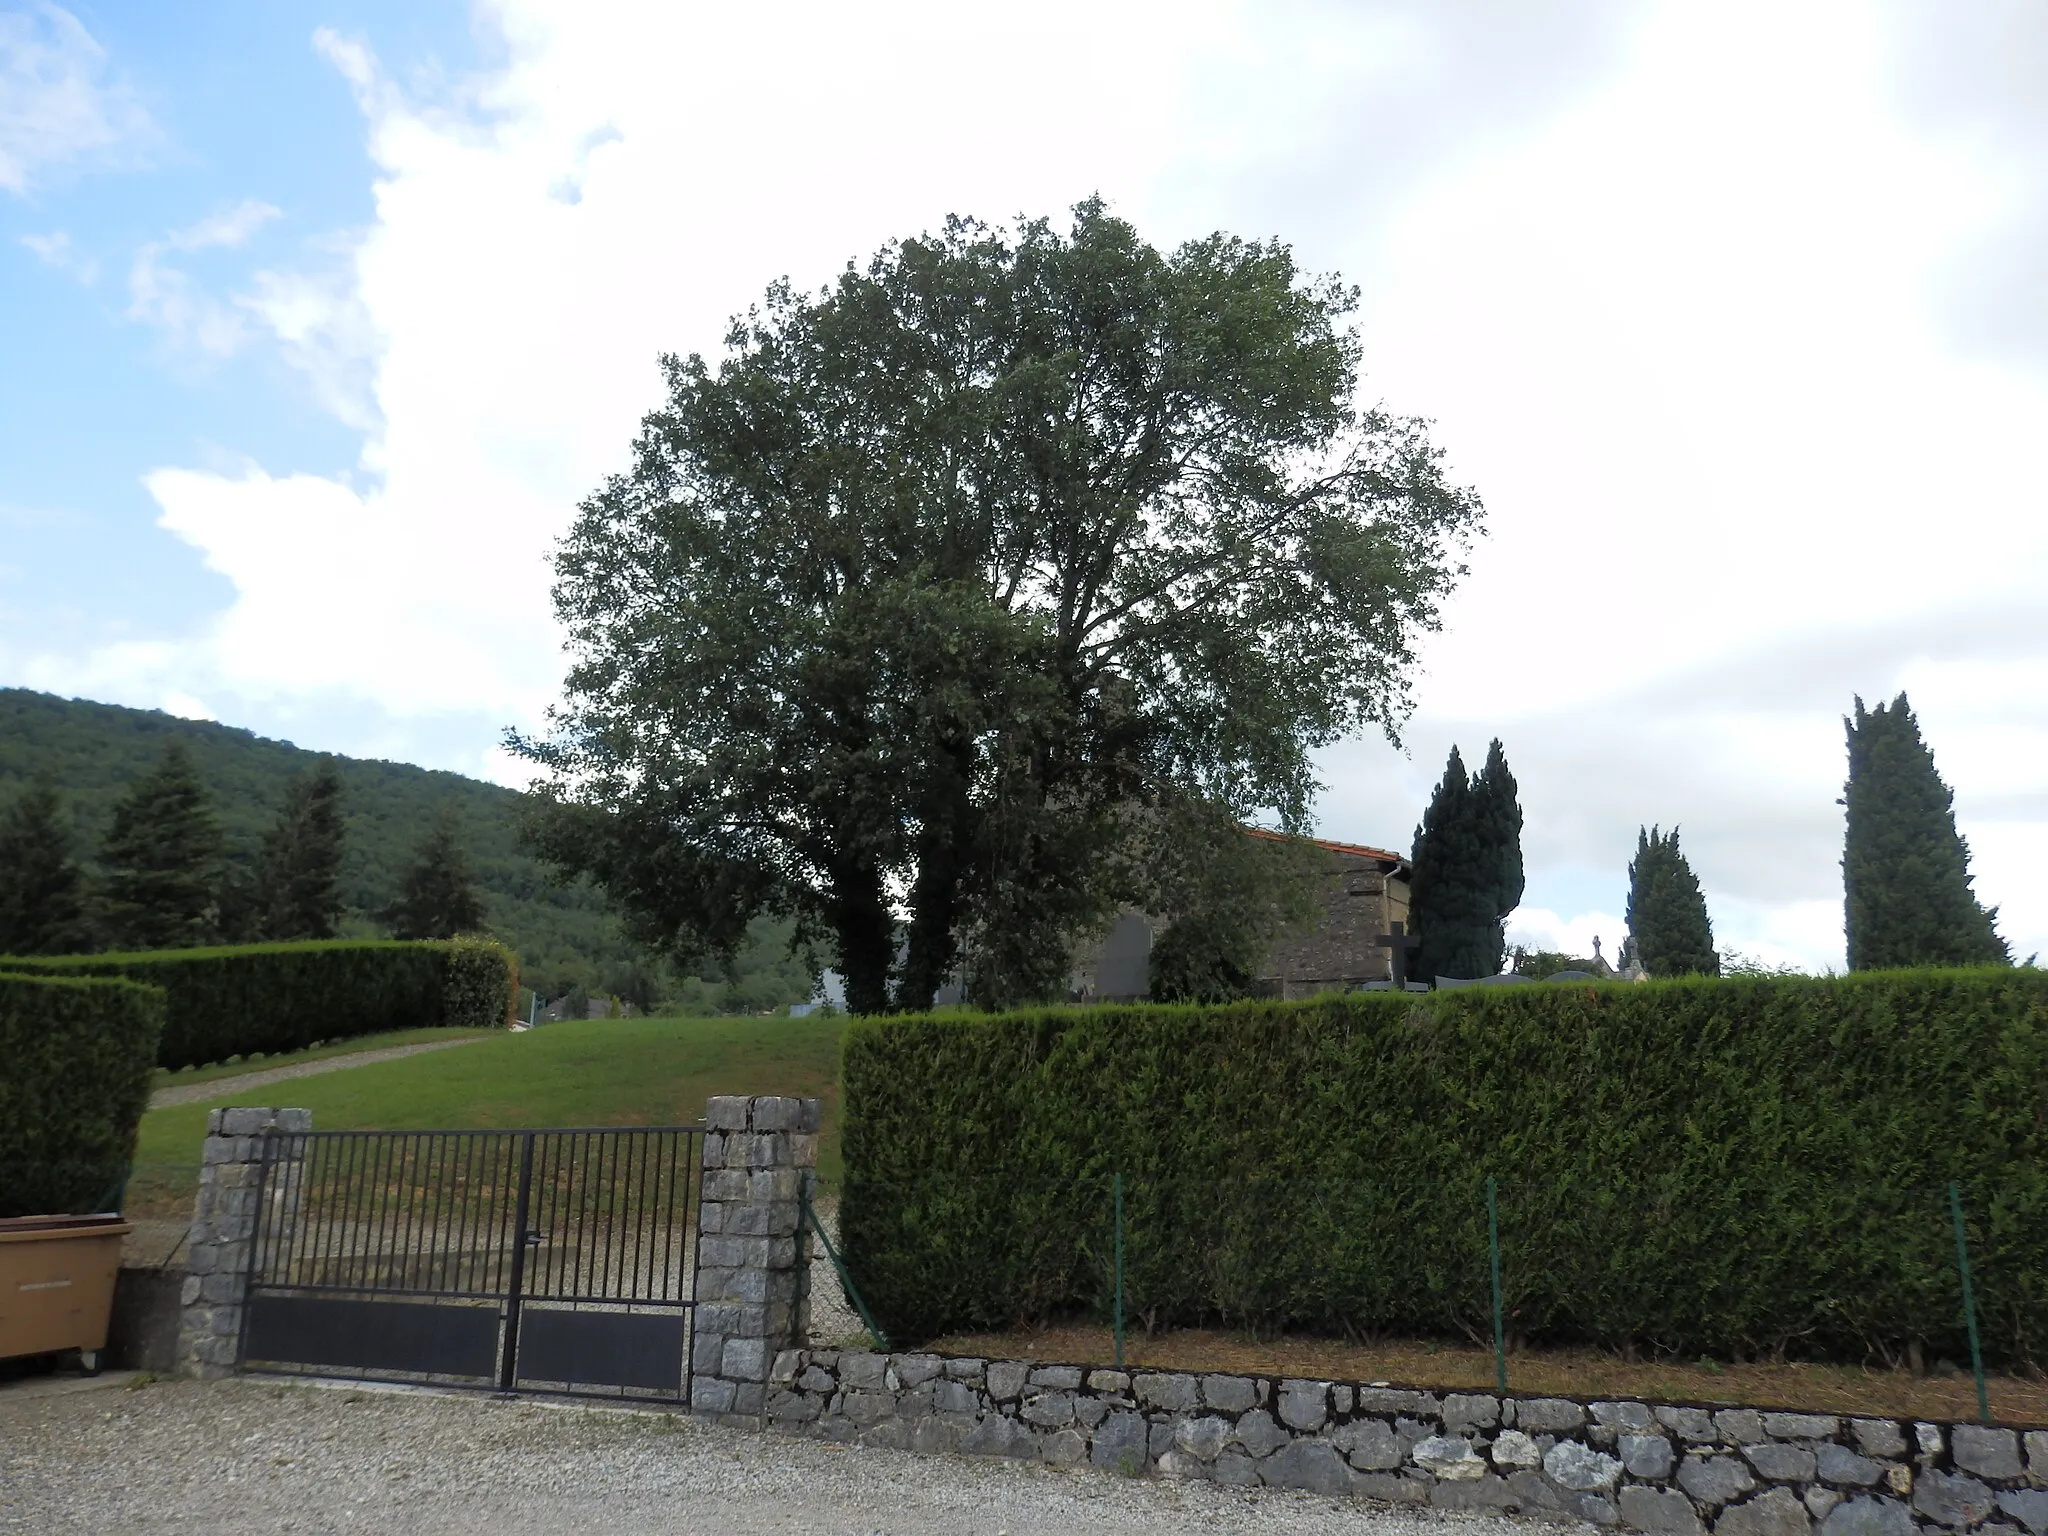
{"x":1667,"y":914}
{"x":298,"y":871}
{"x":161,"y":860}
{"x":42,"y":895}
{"x":437,"y":898}
{"x":1468,"y":874}
{"x":1905,"y":868}
{"x":909,"y":602}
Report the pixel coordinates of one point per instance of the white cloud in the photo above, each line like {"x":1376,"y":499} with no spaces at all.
{"x":59,"y":101}
{"x":57,"y":250}
{"x":1669,"y":280}
{"x":170,"y":299}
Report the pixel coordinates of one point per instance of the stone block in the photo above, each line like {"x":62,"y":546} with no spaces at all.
{"x":803,"y":1150}
{"x":2029,"y":1506}
{"x":1739,"y":1426}
{"x":1121,"y":1444}
{"x":1181,"y":1467}
{"x":1776,"y":1513}
{"x":1235,"y":1470}
{"x":1470,"y":1410}
{"x":1781,"y":1463}
{"x":1389,"y":1489}
{"x":1820,"y":1502}
{"x":707,"y":1352}
{"x":1310,"y":1465}
{"x":245,"y":1122}
{"x":1839,"y":1464}
{"x":1986,"y":1451}
{"x":1304,"y":1405}
{"x":1928,"y":1438}
{"x":866,"y":1408}
{"x":1171,"y":1393}
{"x":726,"y":1112}
{"x":916,"y":1370}
{"x":1234,"y":1394}
{"x":1064,"y":1448}
{"x":956,"y":1397}
{"x":1952,"y":1499}
{"x":1659,"y":1511}
{"x":886,"y":1435}
{"x":1549,"y":1416}
{"x":792,"y":1407}
{"x":1063,"y":1378}
{"x":1091,"y":1411}
{"x":1369,"y":1445}
{"x":1110,"y":1382}
{"x":1488,"y":1492}
{"x":773,"y":1184}
{"x":1633,"y":1417}
{"x":1048,"y":1410}
{"x":1800,"y":1426}
{"x":725,"y":1184}
{"x":2037,"y":1455}
{"x":1648,"y":1456}
{"x":1340,"y":1398}
{"x":1899,"y":1479}
{"x":708,"y":1394}
{"x":1715,"y":1479}
{"x":936,"y":1436}
{"x":787,"y":1366}
{"x":773,"y":1114}
{"x":220,"y":1287}
{"x":1581,"y":1468}
{"x":744,"y":1360}
{"x":964,"y":1369}
{"x":1424,"y":1405}
{"x":1867,"y":1516}
{"x":1202,"y":1438}
{"x":1449,"y":1458}
{"x":998,"y":1436}
{"x":1878,"y":1437}
{"x":188,"y":1293}
{"x":1006,"y":1379}
{"x":1258,"y":1434}
{"x":1514,"y":1450}
{"x":860,"y":1368}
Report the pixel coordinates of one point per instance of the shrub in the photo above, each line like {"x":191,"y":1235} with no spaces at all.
{"x":282,"y":997}
{"x":75,"y":1059}
{"x":1733,"y":1166}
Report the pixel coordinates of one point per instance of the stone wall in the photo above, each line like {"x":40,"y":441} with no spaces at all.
{"x":1338,"y":951}
{"x":218,"y":1254}
{"x":1666,"y":1470}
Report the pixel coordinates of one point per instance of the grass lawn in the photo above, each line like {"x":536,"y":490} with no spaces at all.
{"x":187,"y":1076}
{"x":598,"y":1072}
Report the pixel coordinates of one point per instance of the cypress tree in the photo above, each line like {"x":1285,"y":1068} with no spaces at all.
{"x":162,"y":860}
{"x":298,"y":872}
{"x":1468,"y":870}
{"x":437,"y":898}
{"x":1905,"y":869}
{"x":1497,"y":801}
{"x":1667,"y":915}
{"x":42,"y":894}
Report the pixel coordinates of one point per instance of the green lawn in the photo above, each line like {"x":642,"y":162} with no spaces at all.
{"x":260,"y":1062}
{"x":600,"y":1072}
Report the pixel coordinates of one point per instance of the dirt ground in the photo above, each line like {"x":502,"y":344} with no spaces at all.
{"x":1568,"y":1373}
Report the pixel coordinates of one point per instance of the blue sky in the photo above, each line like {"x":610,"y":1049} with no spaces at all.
{"x":318,"y":319}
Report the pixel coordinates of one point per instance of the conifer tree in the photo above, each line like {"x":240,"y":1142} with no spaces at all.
{"x":1905,"y":868}
{"x":1496,"y":798}
{"x":42,"y":895}
{"x":1468,"y":870}
{"x":437,"y":898}
{"x":1667,"y":914}
{"x":298,"y":872}
{"x":162,"y":860}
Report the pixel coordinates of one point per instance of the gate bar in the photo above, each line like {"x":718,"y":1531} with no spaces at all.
{"x":508,"y":1368}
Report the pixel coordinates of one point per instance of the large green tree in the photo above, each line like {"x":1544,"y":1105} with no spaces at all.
{"x":1667,"y":914}
{"x":906,"y":604}
{"x":42,"y":894}
{"x":298,"y":870}
{"x":1905,"y":868}
{"x":161,"y":860}
{"x":1468,"y":877}
{"x":437,"y":898}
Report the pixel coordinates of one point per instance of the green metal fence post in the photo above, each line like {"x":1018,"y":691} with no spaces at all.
{"x":1500,"y":1358}
{"x":1118,"y":1197}
{"x":1955,"y":1206}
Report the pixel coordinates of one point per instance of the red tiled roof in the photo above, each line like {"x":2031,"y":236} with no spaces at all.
{"x":1358,"y":849}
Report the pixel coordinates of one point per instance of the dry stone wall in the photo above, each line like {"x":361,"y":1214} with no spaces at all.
{"x":1661,"y":1469}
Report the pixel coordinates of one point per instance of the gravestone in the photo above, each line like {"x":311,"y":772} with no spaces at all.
{"x":1399,"y":944}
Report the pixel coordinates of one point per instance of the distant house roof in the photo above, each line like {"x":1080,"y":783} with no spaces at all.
{"x":1356,"y":850}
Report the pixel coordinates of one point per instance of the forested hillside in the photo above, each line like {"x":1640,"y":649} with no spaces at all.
{"x":563,"y":933}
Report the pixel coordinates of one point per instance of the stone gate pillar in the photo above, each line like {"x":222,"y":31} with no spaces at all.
{"x":752,"y":1301}
{"x":221,"y":1246}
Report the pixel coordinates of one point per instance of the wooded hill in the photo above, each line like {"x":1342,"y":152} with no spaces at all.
{"x":562,"y":931}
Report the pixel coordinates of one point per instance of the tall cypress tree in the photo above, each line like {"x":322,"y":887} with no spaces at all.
{"x":1450,"y":895}
{"x":1667,"y":914}
{"x":1905,"y":868}
{"x":42,"y":895}
{"x":162,"y":860}
{"x":1498,"y":807}
{"x":298,"y":872}
{"x":437,"y":898}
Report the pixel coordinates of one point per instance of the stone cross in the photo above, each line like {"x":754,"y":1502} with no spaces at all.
{"x":1399,"y":943}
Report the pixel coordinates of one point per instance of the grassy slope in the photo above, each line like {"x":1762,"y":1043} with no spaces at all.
{"x":603,"y":1072}
{"x":241,"y":1066}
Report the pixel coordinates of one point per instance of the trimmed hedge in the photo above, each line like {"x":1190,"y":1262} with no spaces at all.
{"x":283,"y":997}
{"x":75,"y":1063}
{"x":1741,"y":1167}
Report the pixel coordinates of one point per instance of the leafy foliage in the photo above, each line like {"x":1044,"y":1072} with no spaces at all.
{"x":437,"y":898}
{"x":161,"y":860}
{"x":283,"y":997}
{"x":1226,"y":895}
{"x":42,"y":898}
{"x":1468,"y":870}
{"x":944,"y":570}
{"x":1666,"y":912}
{"x":1745,"y":1166}
{"x":1905,"y":868}
{"x":78,"y":1057}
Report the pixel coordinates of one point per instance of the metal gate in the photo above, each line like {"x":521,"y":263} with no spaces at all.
{"x":551,"y":1261}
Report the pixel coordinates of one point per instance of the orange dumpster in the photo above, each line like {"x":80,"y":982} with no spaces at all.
{"x":57,"y":1283}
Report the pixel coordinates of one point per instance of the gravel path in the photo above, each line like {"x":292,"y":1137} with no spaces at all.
{"x":255,"y":1456}
{"x":217,"y":1087}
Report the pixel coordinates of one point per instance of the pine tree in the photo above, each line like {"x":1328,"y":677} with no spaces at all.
{"x":162,"y":860}
{"x":1905,"y":868}
{"x":298,"y":872}
{"x":1468,"y":870}
{"x":1667,"y":915}
{"x":437,"y":899}
{"x":42,"y":894}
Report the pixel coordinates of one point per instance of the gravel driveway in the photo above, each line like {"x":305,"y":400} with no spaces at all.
{"x":256,"y":1456}
{"x":216,"y":1089}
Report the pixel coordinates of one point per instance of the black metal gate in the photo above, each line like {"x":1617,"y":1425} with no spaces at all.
{"x":551,"y":1261}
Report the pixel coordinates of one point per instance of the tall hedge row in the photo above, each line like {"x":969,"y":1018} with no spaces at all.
{"x":1740,"y":1167}
{"x":281,"y":997}
{"x":75,"y":1062}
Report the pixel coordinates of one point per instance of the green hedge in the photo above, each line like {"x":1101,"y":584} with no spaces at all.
{"x":283,"y":997}
{"x":75,"y":1062}
{"x":1741,"y":1167}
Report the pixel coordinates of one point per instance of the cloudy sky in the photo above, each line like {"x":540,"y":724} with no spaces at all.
{"x":317,"y":317}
